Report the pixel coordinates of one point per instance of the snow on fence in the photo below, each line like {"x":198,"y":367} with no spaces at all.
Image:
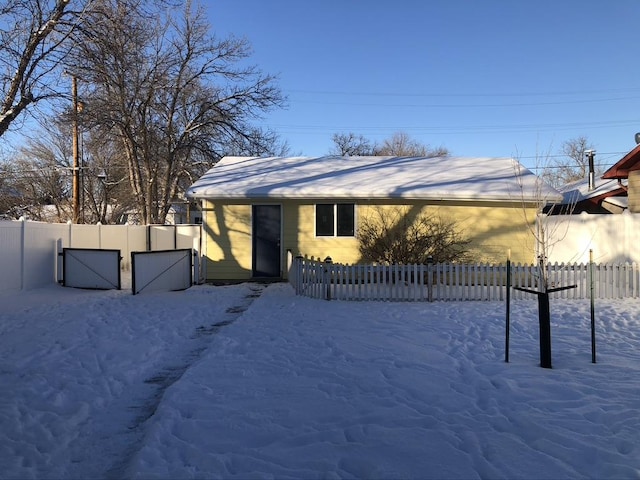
{"x":456,"y":282}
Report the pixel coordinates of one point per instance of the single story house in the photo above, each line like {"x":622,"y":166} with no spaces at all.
{"x":258,"y":212}
{"x":628,"y":168}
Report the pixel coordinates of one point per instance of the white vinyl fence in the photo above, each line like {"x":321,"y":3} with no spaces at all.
{"x":30,"y":250}
{"x":613,"y":238}
{"x":457,"y":282}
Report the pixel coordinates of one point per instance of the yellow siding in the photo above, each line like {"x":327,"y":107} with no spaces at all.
{"x":491,"y":228}
{"x":228,"y":235}
{"x":634,"y":191}
{"x":300,"y":236}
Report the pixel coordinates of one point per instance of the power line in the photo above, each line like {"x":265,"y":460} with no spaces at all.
{"x":462,"y":94}
{"x":455,"y":130}
{"x":466,"y":105}
{"x":553,"y":167}
{"x":566,"y":156}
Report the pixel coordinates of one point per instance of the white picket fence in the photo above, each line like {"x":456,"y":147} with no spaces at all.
{"x":458,"y":282}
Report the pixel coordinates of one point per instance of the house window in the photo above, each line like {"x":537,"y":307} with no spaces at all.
{"x":335,"y":220}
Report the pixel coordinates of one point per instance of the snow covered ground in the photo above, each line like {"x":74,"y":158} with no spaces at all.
{"x":249,"y":381}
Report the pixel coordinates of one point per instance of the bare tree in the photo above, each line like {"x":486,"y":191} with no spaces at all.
{"x":350,"y":144}
{"x":547,"y":231}
{"x":574,"y":166}
{"x":39,"y":178}
{"x":107,"y":197}
{"x":35,"y":38}
{"x":398,"y":236}
{"x":37,"y":181}
{"x":172,"y":96}
{"x":537,"y":197}
{"x":402,"y":145}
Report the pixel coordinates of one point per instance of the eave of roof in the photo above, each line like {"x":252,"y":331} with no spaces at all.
{"x":628,"y":163}
{"x":622,"y":202}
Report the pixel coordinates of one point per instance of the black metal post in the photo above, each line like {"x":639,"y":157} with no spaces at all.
{"x":508,"y":319}
{"x":593,"y":310}
{"x":544,"y":316}
{"x":544,"y":319}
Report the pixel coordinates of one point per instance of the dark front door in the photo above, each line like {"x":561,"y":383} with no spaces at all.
{"x":266,"y":240}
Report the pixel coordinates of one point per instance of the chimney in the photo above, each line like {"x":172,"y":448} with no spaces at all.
{"x":590,"y":154}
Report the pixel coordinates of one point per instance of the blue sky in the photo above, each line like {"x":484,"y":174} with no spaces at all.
{"x":482,"y":78}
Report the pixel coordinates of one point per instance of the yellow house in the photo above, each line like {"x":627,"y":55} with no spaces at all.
{"x":259,"y":212}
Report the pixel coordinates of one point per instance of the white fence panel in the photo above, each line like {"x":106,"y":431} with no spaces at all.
{"x":40,"y":253}
{"x":11,"y":254}
{"x":28,"y":251}
{"x":84,"y":236}
{"x":188,"y":236}
{"x":161,"y":237}
{"x":131,"y":238}
{"x":164,"y":271}
{"x":91,"y":268}
{"x":613,"y":238}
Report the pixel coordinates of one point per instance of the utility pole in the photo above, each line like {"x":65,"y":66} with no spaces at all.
{"x":76,"y":166}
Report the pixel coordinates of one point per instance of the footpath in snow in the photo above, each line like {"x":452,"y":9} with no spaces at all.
{"x":82,"y":371}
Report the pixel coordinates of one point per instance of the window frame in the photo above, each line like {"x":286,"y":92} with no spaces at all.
{"x":335,"y":220}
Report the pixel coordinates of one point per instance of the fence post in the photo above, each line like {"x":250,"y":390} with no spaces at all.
{"x":326,"y":278}
{"x":71,"y":236}
{"x":508,"y":302}
{"x":195,"y":266}
{"x":289,"y":265}
{"x":296,"y":274}
{"x":430,"y":278}
{"x":59,"y":257}
{"x":22,"y":252}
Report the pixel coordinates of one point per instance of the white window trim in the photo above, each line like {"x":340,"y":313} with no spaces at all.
{"x":335,"y":219}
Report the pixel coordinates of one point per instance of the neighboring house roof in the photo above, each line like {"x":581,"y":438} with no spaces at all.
{"x":619,"y":202}
{"x":607,"y":196}
{"x":628,"y":163}
{"x":578,"y":191}
{"x":423,"y":178}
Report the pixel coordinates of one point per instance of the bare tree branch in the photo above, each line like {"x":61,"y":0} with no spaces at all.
{"x":399,"y":235}
{"x":573,"y":167}
{"x":174,"y":96}
{"x":36,"y":39}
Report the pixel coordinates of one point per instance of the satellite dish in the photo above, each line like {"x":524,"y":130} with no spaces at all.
{"x":638,"y":138}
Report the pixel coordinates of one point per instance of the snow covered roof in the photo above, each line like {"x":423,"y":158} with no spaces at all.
{"x":579,"y":190}
{"x":418,"y":178}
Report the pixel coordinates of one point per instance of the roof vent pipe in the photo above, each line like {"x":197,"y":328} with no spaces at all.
{"x":590,"y":154}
